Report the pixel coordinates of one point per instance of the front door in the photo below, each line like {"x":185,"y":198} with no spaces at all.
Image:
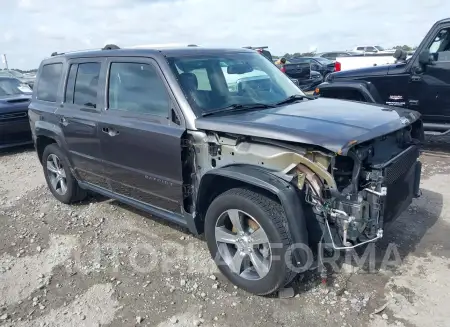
{"x":79,"y":115}
{"x":141,"y":146}
{"x":430,"y":85}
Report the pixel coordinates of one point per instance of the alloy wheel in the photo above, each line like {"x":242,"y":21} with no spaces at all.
{"x":56,"y":174}
{"x":243,"y":244}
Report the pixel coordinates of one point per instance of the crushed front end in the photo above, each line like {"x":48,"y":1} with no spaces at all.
{"x":375,"y":182}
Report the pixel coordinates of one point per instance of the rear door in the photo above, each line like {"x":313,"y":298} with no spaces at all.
{"x":141,"y":145}
{"x":79,"y":115}
{"x":429,"y":90}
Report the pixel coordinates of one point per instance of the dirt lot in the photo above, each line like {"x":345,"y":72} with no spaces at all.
{"x":100,"y":263}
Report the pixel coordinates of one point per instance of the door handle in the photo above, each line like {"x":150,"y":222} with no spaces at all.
{"x":64,"y":121}
{"x":416,"y":78}
{"x":110,"y":131}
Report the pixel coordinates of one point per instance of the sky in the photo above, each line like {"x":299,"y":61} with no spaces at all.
{"x":33,"y":29}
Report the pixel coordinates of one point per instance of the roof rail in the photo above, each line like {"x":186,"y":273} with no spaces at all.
{"x":192,"y":45}
{"x":56,"y":54}
{"x":255,"y":48}
{"x":110,"y":47}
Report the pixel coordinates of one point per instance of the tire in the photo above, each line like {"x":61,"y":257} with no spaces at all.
{"x":73,"y":192}
{"x":269,"y":215}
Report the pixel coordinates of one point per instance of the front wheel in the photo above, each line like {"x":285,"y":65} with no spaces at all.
{"x":248,"y":238}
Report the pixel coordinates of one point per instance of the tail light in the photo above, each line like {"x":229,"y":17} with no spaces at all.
{"x":259,"y":51}
{"x":283,"y":69}
{"x":337,"y":66}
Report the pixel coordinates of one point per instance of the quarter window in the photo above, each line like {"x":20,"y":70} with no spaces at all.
{"x":47,"y":88}
{"x":137,"y":88}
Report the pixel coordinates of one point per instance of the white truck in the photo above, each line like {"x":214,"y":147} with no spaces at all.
{"x":371,"y":49}
{"x":363,"y":61}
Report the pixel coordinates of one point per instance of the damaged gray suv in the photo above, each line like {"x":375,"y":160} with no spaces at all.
{"x":222,"y":142}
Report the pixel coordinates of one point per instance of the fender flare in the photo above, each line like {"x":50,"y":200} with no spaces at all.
{"x":52,"y":131}
{"x":264,"y":179}
{"x":367,"y":89}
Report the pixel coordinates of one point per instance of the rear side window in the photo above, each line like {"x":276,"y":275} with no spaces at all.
{"x":47,"y":88}
{"x":137,"y":88}
{"x":360,"y":48}
{"x":86,"y":84}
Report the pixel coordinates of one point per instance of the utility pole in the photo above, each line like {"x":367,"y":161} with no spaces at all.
{"x":5,"y":61}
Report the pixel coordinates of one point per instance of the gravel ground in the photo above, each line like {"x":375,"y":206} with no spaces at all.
{"x":101,"y":263}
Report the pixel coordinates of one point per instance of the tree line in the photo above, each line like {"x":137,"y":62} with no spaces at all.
{"x":22,"y":71}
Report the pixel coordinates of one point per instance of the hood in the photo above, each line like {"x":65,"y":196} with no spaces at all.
{"x":363,"y":72}
{"x":14,"y":103}
{"x":328,"y":123}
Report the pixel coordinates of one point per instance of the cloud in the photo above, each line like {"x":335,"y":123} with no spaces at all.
{"x":35,"y":28}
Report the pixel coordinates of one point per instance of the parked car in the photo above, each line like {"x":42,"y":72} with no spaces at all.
{"x":420,"y":82}
{"x":318,"y":64}
{"x":14,"y":125}
{"x":301,"y":74}
{"x":29,"y":80}
{"x":336,"y":54}
{"x":263,"y":172}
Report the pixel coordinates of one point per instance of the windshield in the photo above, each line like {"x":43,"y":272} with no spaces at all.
{"x":16,"y":74}
{"x":379,"y":48}
{"x":6,"y":73}
{"x":12,"y":86}
{"x":218,"y":81}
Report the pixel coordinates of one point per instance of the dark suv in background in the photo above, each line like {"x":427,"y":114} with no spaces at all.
{"x":220,"y":141}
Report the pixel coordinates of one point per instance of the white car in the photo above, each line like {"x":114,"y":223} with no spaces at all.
{"x":372,"y":49}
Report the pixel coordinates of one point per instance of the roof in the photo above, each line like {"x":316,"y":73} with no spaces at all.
{"x":445,"y":20}
{"x":169,"y":52}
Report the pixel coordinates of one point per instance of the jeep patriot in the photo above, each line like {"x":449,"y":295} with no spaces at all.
{"x":222,"y":142}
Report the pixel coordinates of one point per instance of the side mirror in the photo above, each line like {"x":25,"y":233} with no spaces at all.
{"x":425,"y":58}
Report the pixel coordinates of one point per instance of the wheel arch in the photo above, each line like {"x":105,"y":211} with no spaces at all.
{"x":45,"y":134}
{"x":217,"y":181}
{"x":364,"y":88}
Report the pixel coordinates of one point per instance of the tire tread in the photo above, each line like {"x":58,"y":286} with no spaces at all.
{"x":278,"y":216}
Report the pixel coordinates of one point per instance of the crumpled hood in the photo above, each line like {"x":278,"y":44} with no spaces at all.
{"x":329,"y":123}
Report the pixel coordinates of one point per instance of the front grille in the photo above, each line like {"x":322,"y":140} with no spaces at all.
{"x":13,"y":116}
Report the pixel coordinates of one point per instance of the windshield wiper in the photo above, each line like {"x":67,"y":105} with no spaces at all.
{"x":294,"y":98}
{"x":239,"y":107}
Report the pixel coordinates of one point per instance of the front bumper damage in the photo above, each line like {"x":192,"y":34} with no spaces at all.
{"x":354,"y":221}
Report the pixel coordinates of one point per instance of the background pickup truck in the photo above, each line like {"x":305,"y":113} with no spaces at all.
{"x":420,"y":82}
{"x":364,"y":60}
{"x":301,"y":73}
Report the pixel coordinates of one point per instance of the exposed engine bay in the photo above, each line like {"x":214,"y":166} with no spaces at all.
{"x":351,"y":195}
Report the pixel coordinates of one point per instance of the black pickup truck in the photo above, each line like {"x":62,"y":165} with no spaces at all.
{"x":421,"y":83}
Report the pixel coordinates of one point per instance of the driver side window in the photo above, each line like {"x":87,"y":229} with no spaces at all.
{"x":440,"y":47}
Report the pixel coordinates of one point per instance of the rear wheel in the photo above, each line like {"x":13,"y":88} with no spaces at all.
{"x":59,"y":178}
{"x":247,"y":236}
